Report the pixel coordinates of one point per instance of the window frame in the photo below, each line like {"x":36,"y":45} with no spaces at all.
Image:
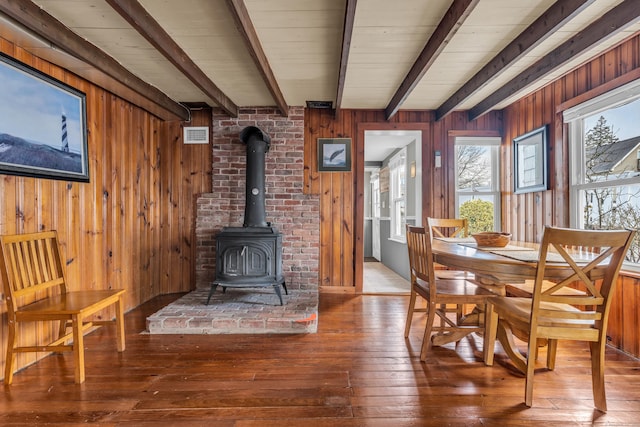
{"x":496,"y":143}
{"x":573,"y":118}
{"x":396,"y":163}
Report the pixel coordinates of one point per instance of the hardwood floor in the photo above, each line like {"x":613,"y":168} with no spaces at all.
{"x":356,"y":371}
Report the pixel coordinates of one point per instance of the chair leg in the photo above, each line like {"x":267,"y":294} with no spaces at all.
{"x":412,"y":304}
{"x":120,"y":324}
{"x":489,"y":339}
{"x":78,"y":348}
{"x":490,"y":332}
{"x":11,"y":355}
{"x":597,"y":374}
{"x":552,"y":346}
{"x":531,"y":367}
{"x":426,"y":339}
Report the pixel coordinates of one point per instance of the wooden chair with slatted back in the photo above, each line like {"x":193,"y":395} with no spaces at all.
{"x":438,"y":293}
{"x":558,"y":312}
{"x":450,"y":227}
{"x":35,"y":287}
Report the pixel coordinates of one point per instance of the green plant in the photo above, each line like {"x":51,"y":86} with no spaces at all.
{"x":479,"y":213}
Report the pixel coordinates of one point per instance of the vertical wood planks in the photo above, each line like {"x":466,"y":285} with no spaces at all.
{"x":112,"y":229}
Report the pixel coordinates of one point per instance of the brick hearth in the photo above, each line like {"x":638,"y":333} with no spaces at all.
{"x":238,"y":311}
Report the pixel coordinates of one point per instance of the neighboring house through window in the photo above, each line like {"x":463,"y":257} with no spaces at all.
{"x":604,"y":152}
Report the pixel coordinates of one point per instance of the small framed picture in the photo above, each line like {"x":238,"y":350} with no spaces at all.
{"x":334,"y":154}
{"x":530,"y":161}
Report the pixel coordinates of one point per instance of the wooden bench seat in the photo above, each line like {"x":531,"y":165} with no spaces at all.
{"x":35,"y":287}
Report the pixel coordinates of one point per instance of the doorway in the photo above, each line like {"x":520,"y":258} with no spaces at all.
{"x":393,"y":198}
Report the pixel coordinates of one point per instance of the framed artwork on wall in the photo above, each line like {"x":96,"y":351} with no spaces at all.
{"x":530,"y":161}
{"x":43,"y":125}
{"x":334,"y":154}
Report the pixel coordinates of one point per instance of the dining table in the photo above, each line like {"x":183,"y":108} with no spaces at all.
{"x":503,"y":271}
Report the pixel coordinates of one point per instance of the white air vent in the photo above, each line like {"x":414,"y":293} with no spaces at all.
{"x":196,"y":135}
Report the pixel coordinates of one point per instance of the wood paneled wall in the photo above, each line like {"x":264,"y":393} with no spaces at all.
{"x":342,"y":193}
{"x":132,"y":225}
{"x":525,"y":215}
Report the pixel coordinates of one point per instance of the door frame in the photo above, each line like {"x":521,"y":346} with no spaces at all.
{"x":360,"y":183}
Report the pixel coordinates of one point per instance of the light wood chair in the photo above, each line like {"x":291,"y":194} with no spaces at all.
{"x":451,"y":227}
{"x":35,"y":285}
{"x":448,"y":227}
{"x":559,"y":312}
{"x":438,"y":293}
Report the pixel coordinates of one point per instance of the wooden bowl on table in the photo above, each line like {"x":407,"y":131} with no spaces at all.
{"x":492,"y":239}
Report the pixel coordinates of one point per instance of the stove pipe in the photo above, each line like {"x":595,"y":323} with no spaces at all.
{"x":258,"y":143}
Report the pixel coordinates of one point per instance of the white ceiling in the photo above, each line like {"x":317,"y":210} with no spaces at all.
{"x":302,"y":42}
{"x":381,"y":144}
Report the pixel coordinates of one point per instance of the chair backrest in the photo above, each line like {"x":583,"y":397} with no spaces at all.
{"x":610,"y":249}
{"x":420,"y":255}
{"x":30,"y":267}
{"x":448,"y":227}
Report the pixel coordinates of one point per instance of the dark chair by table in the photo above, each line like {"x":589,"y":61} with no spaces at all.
{"x":559,"y":312}
{"x":438,"y":293}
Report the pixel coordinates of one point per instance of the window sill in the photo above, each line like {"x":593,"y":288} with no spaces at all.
{"x":398,"y":240}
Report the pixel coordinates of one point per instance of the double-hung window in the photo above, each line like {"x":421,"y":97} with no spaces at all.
{"x":478,"y":182}
{"x":398,"y":190}
{"x":604,"y":145}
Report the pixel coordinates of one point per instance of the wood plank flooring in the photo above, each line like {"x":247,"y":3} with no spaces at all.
{"x":358,"y":370}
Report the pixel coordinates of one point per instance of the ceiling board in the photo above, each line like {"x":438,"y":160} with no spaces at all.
{"x":302,"y":42}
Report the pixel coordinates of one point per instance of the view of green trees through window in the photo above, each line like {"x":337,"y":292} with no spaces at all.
{"x":477,"y":193}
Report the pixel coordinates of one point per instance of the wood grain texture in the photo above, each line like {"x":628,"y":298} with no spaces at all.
{"x":357,"y":370}
{"x":342,"y":193}
{"x":131,"y":226}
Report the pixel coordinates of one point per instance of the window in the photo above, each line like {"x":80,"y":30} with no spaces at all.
{"x":477,"y":182}
{"x":604,"y":137}
{"x":398,"y":184}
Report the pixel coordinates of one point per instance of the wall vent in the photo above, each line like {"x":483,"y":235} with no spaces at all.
{"x":322,"y":105}
{"x":196,"y":135}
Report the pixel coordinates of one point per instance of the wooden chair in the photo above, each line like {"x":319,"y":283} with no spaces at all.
{"x":36,"y":291}
{"x":451,"y":227}
{"x":448,"y":227}
{"x":437,"y":293}
{"x":559,"y":312}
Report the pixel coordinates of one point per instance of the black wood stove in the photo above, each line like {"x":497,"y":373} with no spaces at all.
{"x":251,"y":255}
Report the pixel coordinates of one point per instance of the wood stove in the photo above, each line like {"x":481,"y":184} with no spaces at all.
{"x":251,"y":255}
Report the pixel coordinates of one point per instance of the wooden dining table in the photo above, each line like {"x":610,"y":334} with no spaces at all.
{"x":497,"y":269}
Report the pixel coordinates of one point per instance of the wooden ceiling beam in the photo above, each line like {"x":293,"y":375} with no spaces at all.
{"x":458,"y":12}
{"x":245,"y":27}
{"x":608,"y":25}
{"x":347,"y":33}
{"x":36,"y":20}
{"x":553,"y":18}
{"x":136,"y":15}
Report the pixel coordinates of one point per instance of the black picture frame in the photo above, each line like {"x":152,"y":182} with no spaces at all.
{"x":43,"y":125}
{"x":531,"y":161}
{"x":334,"y":154}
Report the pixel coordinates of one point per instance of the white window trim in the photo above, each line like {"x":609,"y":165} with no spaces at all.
{"x":490,"y":141}
{"x":573,"y":117}
{"x":395,"y":162}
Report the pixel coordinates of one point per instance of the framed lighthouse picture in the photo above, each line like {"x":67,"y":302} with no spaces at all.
{"x":43,"y":125}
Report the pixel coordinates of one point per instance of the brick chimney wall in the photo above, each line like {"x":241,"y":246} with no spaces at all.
{"x":294,"y":214}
